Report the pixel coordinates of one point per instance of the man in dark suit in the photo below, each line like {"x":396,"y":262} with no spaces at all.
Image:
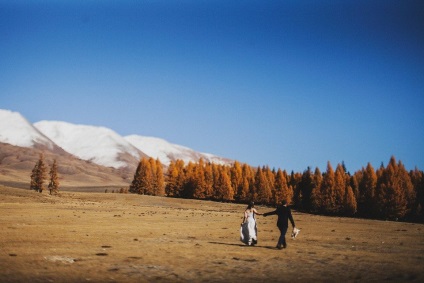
{"x":284,"y":215}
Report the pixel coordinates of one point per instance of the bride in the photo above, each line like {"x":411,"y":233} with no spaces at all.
{"x":248,"y":229}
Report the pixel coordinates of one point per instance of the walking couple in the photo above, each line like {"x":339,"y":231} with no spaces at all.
{"x":248,"y":230}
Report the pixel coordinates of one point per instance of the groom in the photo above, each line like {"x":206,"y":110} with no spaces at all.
{"x":284,"y":214}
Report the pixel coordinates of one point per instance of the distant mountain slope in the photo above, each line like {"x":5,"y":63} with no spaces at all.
{"x":16,"y":164}
{"x":100,"y":145}
{"x":166,"y":151}
{"x":16,"y":130}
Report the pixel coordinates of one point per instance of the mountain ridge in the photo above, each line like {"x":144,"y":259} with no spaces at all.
{"x":97,"y":144}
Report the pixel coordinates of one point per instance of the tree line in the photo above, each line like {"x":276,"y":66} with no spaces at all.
{"x":389,"y":192}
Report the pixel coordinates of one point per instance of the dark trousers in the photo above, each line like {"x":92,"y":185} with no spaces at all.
{"x":282,"y":239}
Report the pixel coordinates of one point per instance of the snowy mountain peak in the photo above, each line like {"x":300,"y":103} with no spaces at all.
{"x":166,"y":151}
{"x":97,"y":144}
{"x":16,"y":130}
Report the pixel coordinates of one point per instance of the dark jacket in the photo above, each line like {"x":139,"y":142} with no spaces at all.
{"x":284,"y":214}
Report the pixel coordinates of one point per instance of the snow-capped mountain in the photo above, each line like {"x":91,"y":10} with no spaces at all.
{"x":99,"y":145}
{"x":166,"y":151}
{"x":16,"y":130}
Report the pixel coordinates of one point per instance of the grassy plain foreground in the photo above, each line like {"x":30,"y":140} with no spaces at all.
{"x":99,"y":237}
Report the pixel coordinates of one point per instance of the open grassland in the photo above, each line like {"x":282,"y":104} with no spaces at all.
{"x":99,"y":237}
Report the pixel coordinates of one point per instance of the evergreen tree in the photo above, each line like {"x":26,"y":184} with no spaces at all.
{"x":393,"y":191}
{"x":38,"y":175}
{"x":33,"y":184}
{"x":282,"y":191}
{"x":270,"y":180}
{"x":190,"y":182}
{"x":54,"y":179}
{"x":171,"y":179}
{"x":407,"y":187}
{"x":144,"y":180}
{"x":349,"y":204}
{"x":153,"y":173}
{"x":135,"y":186}
{"x":178,"y":182}
{"x":316,"y":195}
{"x":223,"y":190}
{"x":339,"y":188}
{"x":262,"y":187}
{"x":160,"y":181}
{"x":329,"y":204}
{"x":306,"y":186}
{"x":294,"y":180}
{"x":208,"y":181}
{"x":198,"y":179}
{"x":236,"y":173}
{"x":417,"y":178}
{"x":216,"y":195}
{"x":367,"y":203}
{"x":245,"y":194}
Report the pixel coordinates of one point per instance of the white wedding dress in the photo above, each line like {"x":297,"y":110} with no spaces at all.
{"x":248,"y":230}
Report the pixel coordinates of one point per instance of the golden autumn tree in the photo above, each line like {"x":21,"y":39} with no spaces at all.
{"x":38,"y":175}
{"x":190,"y":181}
{"x":339,"y":188}
{"x":175,"y":178}
{"x":282,"y":191}
{"x":394,"y":190}
{"x":367,"y":203}
{"x":54,"y":179}
{"x":270,"y":178}
{"x":246,"y":191}
{"x":316,"y":195}
{"x":223,"y":189}
{"x":160,"y":180}
{"x":236,"y":174}
{"x":215,"y":183}
{"x":153,"y":176}
{"x":200,"y":181}
{"x":144,"y":180}
{"x":208,"y":181}
{"x":328,"y":194}
{"x":349,"y":202}
{"x":417,"y":179}
{"x":147,"y":180}
{"x":262,"y":187}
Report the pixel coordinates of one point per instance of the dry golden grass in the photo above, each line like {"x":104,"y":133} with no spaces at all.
{"x":98,"y":237}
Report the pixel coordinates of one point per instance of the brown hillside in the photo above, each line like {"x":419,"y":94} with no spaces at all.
{"x":16,"y":164}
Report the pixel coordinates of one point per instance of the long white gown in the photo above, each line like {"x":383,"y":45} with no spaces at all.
{"x":248,"y":231}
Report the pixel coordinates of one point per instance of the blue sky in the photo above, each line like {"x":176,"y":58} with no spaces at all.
{"x":289,"y":84}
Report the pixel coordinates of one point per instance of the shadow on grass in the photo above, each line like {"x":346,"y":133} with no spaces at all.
{"x":242,"y":245}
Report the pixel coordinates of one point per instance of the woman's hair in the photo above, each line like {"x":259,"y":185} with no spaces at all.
{"x":250,"y":205}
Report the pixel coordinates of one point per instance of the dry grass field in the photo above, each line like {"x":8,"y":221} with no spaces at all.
{"x":99,"y":237}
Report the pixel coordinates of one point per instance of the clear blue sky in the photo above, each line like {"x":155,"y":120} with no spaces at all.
{"x":289,"y":84}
